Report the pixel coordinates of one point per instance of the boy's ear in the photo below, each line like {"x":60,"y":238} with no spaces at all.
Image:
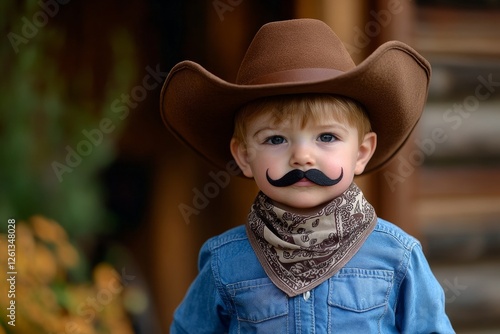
{"x":240,"y":155}
{"x":365,"y":151}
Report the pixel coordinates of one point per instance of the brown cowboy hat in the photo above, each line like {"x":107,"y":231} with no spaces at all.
{"x":298,"y":57}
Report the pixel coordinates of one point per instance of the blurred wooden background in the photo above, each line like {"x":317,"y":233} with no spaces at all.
{"x":443,"y":187}
{"x":450,"y":201}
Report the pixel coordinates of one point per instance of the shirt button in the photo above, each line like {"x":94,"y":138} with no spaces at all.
{"x":306,"y":295}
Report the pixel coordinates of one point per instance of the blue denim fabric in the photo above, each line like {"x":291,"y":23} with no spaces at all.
{"x":387,"y":287}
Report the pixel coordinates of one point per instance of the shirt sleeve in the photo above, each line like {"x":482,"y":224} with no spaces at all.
{"x":421,"y":302}
{"x":202,"y":310}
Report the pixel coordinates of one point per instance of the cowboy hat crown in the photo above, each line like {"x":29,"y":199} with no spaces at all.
{"x":300,"y":52}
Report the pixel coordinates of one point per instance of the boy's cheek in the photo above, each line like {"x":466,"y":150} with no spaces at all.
{"x":251,"y":154}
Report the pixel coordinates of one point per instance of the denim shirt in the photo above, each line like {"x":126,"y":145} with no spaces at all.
{"x":387,"y":287}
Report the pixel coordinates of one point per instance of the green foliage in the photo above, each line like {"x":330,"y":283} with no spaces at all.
{"x":43,"y":111}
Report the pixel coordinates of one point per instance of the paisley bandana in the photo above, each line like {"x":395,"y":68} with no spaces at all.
{"x":300,"y":252}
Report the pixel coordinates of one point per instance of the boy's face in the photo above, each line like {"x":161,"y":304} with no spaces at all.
{"x":272,"y":150}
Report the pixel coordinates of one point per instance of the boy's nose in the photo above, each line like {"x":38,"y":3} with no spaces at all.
{"x":301,"y":155}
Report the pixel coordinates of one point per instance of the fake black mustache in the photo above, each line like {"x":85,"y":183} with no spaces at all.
{"x":314,"y":175}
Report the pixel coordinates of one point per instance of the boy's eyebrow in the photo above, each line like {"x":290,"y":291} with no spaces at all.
{"x":332,"y":125}
{"x":328,"y":126}
{"x":263,"y":129}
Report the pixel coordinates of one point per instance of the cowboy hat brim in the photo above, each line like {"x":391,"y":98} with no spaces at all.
{"x":392,"y":84}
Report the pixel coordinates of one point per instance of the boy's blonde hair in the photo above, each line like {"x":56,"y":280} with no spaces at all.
{"x":304,"y":108}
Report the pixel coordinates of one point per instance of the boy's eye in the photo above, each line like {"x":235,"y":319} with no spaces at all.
{"x":326,"y":138}
{"x":275,"y":140}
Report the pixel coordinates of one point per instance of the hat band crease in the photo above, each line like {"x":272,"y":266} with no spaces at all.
{"x":297,"y":75}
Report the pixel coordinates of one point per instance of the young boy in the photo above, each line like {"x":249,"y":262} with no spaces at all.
{"x":302,"y":120}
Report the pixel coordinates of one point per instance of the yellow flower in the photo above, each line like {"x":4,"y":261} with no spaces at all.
{"x":43,"y":254}
{"x":48,"y":230}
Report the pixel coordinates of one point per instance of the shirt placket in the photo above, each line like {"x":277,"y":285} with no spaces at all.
{"x":304,"y":313}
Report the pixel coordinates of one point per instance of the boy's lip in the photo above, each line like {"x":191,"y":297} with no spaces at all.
{"x":304,"y":183}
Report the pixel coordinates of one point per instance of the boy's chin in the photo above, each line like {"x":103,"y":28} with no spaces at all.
{"x":302,"y":208}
